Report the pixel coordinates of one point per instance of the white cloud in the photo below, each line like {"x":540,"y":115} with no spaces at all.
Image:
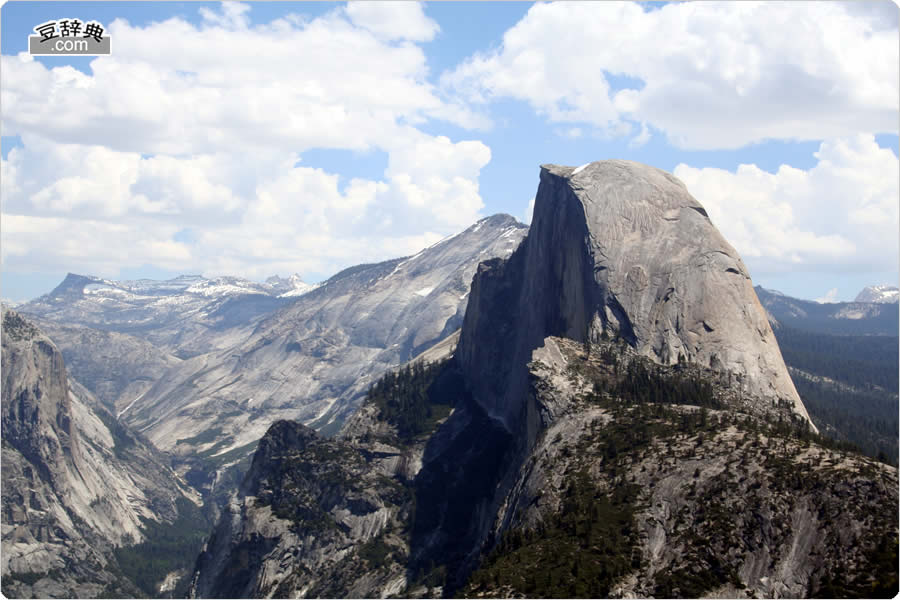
{"x":572,"y":133}
{"x":642,"y":138}
{"x":233,"y":15}
{"x":393,"y":20}
{"x":186,"y":127}
{"x":710,"y":74}
{"x":830,"y":297}
{"x":529,"y":212}
{"x":840,"y":214}
{"x":289,"y":218}
{"x":177,"y":88}
{"x":54,"y":244}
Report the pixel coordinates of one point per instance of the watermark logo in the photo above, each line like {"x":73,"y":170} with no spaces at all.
{"x":65,"y":37}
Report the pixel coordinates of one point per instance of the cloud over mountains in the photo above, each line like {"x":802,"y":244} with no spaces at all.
{"x":185,"y":149}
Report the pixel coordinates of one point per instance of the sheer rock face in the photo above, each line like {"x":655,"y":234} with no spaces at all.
{"x":76,"y":482}
{"x":620,"y":248}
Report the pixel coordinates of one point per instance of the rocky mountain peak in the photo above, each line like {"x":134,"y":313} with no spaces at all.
{"x":72,"y":287}
{"x":275,"y":280}
{"x":881,"y":294}
{"x":499,"y":220}
{"x":620,"y":249}
{"x":283,"y":435}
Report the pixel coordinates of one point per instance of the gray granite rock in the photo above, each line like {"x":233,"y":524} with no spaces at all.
{"x":618,"y":248}
{"x":76,"y":482}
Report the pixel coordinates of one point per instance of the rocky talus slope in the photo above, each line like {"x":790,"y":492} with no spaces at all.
{"x":76,"y":482}
{"x":118,"y":368}
{"x":616,"y":421}
{"x":298,"y":526}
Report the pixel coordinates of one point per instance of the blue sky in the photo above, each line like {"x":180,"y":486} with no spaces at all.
{"x":262,"y":138}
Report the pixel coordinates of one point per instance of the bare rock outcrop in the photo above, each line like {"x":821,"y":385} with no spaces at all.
{"x":76,"y":482}
{"x":619,"y":249}
{"x":311,"y":519}
{"x":623,"y":497}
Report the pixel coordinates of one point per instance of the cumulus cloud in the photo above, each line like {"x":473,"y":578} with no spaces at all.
{"x":830,"y":297}
{"x":393,"y":19}
{"x":707,"y":74}
{"x":185,"y":127}
{"x":840,"y":214}
{"x":178,"y":88}
{"x":289,"y":218}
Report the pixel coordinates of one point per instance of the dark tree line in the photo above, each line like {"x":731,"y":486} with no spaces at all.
{"x":642,"y":383}
{"x":166,"y":548}
{"x":415,"y":397}
{"x":859,"y":361}
{"x":867,"y":414}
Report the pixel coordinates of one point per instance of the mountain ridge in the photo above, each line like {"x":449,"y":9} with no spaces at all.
{"x":853,"y":318}
{"x":881,"y":294}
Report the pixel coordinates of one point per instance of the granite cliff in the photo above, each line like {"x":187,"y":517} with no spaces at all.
{"x":77,"y":484}
{"x":620,"y":249}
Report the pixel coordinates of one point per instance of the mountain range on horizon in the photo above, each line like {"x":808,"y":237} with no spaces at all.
{"x":294,"y":285}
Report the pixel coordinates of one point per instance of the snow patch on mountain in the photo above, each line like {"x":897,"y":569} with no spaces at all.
{"x":880,"y":294}
{"x":289,"y":287}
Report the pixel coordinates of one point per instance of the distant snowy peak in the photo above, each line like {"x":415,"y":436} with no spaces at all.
{"x":227,"y":286}
{"x":287,"y":287}
{"x":880,"y":294}
{"x":156,"y":287}
{"x":75,"y":286}
{"x":298,"y":290}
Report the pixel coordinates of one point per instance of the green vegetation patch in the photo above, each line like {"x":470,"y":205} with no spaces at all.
{"x":578,"y":553}
{"x":17,"y":328}
{"x":416,"y":398}
{"x":167,"y":547}
{"x":204,"y":437}
{"x":642,"y":383}
{"x":375,"y":552}
{"x":122,"y":438}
